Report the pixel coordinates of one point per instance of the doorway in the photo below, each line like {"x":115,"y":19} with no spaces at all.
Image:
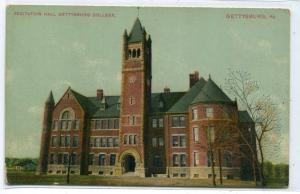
{"x":129,"y":163}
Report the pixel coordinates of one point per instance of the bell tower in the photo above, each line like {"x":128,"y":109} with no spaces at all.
{"x":135,"y":100}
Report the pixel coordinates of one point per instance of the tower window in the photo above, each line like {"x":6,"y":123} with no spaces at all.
{"x":138,"y":53}
{"x":129,"y":54}
{"x":134,"y":53}
{"x":132,"y":100}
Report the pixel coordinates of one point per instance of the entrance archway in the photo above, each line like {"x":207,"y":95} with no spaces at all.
{"x":129,"y":163}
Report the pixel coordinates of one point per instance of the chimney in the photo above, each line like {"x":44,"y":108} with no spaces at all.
{"x":194,"y":77}
{"x":99,"y":94}
{"x":167,"y":90}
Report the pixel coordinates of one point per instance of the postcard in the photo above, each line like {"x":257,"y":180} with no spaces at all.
{"x":147,"y":96}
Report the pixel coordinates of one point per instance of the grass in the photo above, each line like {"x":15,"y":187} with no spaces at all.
{"x":30,"y":178}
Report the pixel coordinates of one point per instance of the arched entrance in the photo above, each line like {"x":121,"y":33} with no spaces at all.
{"x":129,"y":163}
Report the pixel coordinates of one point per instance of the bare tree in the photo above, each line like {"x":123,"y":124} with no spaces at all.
{"x":260,"y":107}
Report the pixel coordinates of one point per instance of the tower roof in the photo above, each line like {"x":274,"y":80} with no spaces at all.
{"x":50,"y":99}
{"x":137,"y":32}
{"x":211,"y":93}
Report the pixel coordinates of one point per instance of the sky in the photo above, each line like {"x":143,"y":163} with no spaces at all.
{"x":46,"y":53}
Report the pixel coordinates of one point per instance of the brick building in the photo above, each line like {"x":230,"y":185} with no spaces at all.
{"x":139,"y":133}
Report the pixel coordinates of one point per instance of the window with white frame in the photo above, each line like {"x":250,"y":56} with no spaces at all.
{"x":194,"y":114}
{"x":196,"y":159}
{"x":131,"y":100}
{"x":179,"y":159}
{"x":209,"y":112}
{"x":91,"y":159}
{"x":178,"y":140}
{"x":130,"y":139}
{"x":75,"y":141}
{"x":112,"y":159}
{"x":154,"y":141}
{"x":196,"y":134}
{"x":131,"y":120}
{"x":101,"y":159}
{"x":210,"y":133}
{"x":154,"y":123}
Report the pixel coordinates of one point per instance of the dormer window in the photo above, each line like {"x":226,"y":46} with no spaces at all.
{"x":161,"y":104}
{"x":103,"y":104}
{"x":133,"y":53}
{"x":138,"y":53}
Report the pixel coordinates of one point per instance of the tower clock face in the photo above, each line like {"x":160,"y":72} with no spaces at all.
{"x":132,"y":79}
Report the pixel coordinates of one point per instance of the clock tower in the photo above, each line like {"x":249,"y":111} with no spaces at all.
{"x":135,"y":101}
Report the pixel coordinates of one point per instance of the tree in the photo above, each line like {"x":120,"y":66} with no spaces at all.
{"x":261,"y":108}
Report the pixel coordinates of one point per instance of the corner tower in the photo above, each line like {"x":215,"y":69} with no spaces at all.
{"x":135,"y":100}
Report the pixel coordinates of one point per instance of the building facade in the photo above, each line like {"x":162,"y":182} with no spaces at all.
{"x":190,"y":134}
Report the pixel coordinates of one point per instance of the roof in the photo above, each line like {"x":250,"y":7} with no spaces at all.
{"x":244,"y":117}
{"x":111,"y":108}
{"x":50,"y":98}
{"x":183,"y":103}
{"x":211,"y":93}
{"x":167,"y":98}
{"x":137,"y":32}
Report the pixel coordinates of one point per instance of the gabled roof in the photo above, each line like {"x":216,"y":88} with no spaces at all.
{"x":183,"y":103}
{"x":137,"y":32}
{"x":167,"y":98}
{"x":244,"y":117}
{"x":211,"y":93}
{"x":85,"y":103}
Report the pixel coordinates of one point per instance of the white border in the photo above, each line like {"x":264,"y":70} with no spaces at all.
{"x":294,"y":135}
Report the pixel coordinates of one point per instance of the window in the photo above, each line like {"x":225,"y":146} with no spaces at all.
{"x":131,"y":120}
{"x":131,"y":100}
{"x":196,"y":134}
{"x":67,"y":141}
{"x":133,"y":53}
{"x":160,"y":141}
{"x":175,"y":160}
{"x":101,"y":159}
{"x":209,"y":161}
{"x":154,"y":142}
{"x":161,"y":104}
{"x":75,"y":141}
{"x":54,"y":141}
{"x":178,"y":121}
{"x":66,"y":159}
{"x":175,"y":141}
{"x":91,"y":159}
{"x":210,"y":134}
{"x":112,"y":159}
{"x":97,"y":142}
{"x":103,"y":124}
{"x":154,"y":123}
{"x":227,"y":159}
{"x":116,"y":141}
{"x":52,"y":158}
{"x":110,"y":142}
{"x":103,"y":141}
{"x":125,"y":139}
{"x":129,"y":53}
{"x":179,"y":140}
{"x":160,"y":122}
{"x":209,"y":112}
{"x":182,"y":141}
{"x":65,"y":115}
{"x":110,"y":124}
{"x":97,"y":124}
{"x":73,"y":158}
{"x":138,"y":53}
{"x":116,"y":123}
{"x":130,"y":139}
{"x":62,"y":141}
{"x":196,"y":158}
{"x":182,"y":160}
{"x":157,"y":162}
{"x":60,"y":158}
{"x":194,"y":114}
{"x":135,"y":139}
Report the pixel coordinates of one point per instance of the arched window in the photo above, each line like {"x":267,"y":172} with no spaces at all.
{"x":66,"y":115}
{"x":134,"y":53}
{"x":129,"y":53}
{"x":227,"y":159}
{"x":138,"y":53}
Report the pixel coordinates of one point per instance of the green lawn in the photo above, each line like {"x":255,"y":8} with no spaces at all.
{"x":30,"y":178}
